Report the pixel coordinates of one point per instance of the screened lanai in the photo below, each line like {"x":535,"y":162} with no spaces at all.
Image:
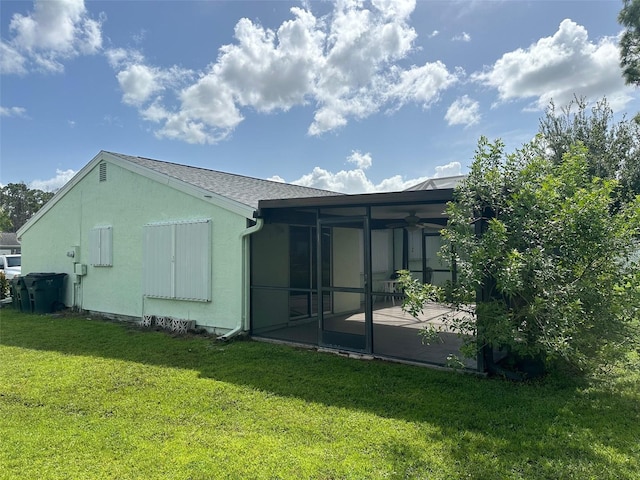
{"x":323,"y":272}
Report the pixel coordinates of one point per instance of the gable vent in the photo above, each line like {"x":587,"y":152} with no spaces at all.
{"x":103,"y":172}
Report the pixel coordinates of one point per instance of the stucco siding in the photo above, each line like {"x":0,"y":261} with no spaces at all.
{"x":127,"y":201}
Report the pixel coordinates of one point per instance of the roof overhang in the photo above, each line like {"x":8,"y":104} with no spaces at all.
{"x":414,"y":197}
{"x":429,"y":204}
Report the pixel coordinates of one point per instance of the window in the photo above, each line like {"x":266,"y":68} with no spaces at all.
{"x":177,"y":260}
{"x":101,"y":246}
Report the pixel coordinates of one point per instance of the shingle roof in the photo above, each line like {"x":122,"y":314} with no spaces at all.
{"x":8,"y":239}
{"x":246,"y":190}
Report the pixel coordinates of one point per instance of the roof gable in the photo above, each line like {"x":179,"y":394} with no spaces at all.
{"x":237,"y":193}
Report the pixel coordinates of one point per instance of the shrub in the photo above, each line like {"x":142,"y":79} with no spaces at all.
{"x":549,"y":252}
{"x":4,"y":286}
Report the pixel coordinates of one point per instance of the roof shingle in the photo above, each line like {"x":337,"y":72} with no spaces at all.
{"x":9,"y":239}
{"x":246,"y":190}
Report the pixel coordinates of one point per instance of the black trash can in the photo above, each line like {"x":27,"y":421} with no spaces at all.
{"x":45,"y":291}
{"x":26,"y":301}
{"x":18,"y":291}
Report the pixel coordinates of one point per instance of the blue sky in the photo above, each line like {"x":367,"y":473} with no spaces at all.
{"x":350,"y":96}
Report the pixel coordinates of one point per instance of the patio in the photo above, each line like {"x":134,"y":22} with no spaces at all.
{"x":395,"y":333}
{"x":343,"y":252}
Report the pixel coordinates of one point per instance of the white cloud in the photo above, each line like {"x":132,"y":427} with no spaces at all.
{"x":463,"y":111}
{"x":463,"y":37}
{"x":270,"y":70}
{"x":55,"y":31}
{"x":344,"y":64}
{"x":11,"y":60}
{"x":452,"y":169}
{"x":55,"y":183}
{"x":208,"y":114}
{"x":422,"y":84}
{"x":433,"y":34}
{"x":13,"y":112}
{"x":400,"y":9}
{"x":560,"y":67}
{"x":120,"y":58}
{"x":356,"y":180}
{"x":346,"y":181}
{"x":362,"y":160}
{"x":138,"y":83}
{"x":141,"y":83}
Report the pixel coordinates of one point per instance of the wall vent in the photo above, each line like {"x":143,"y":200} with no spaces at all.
{"x":103,"y":172}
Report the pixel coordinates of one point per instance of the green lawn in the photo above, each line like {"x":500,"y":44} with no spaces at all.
{"x":89,"y":399}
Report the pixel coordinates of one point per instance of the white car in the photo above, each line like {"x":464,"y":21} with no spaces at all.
{"x":10,"y":265}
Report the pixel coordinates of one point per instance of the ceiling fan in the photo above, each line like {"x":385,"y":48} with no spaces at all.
{"x":413,"y":222}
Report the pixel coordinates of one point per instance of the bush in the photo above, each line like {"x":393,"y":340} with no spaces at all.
{"x":549,"y":252}
{"x":4,"y":286}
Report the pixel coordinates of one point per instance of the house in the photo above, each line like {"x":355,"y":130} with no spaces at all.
{"x":143,"y":239}
{"x":9,"y":243}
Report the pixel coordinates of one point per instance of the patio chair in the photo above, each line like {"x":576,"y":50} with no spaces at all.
{"x":393,"y":288}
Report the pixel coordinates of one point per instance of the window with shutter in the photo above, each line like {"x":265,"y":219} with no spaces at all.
{"x":177,"y":260}
{"x":101,"y":246}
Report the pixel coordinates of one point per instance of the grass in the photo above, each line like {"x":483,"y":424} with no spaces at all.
{"x":90,"y":399}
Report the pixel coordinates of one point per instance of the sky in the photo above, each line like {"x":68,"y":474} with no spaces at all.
{"x":350,"y":96}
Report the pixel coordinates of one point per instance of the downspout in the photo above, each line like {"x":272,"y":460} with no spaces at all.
{"x":243,"y":323}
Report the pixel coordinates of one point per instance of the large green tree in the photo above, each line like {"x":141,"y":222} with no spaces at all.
{"x":19,"y":203}
{"x":612,"y":146}
{"x":554,"y":267}
{"x":629,"y":17}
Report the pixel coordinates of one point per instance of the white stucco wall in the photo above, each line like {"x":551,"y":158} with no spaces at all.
{"x":127,"y":201}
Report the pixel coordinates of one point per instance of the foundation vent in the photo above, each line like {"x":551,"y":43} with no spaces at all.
{"x":176,"y":325}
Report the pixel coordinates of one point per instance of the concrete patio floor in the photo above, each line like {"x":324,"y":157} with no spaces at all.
{"x":395,"y":333}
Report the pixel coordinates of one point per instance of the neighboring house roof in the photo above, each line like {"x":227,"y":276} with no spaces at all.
{"x":8,"y":239}
{"x":438,"y":183}
{"x":246,"y":190}
{"x":236,"y":193}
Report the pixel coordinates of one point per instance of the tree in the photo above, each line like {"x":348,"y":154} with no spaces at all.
{"x":5,"y":221}
{"x":629,"y":17}
{"x":613,"y":148}
{"x":20,"y":203}
{"x":554,"y":263}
